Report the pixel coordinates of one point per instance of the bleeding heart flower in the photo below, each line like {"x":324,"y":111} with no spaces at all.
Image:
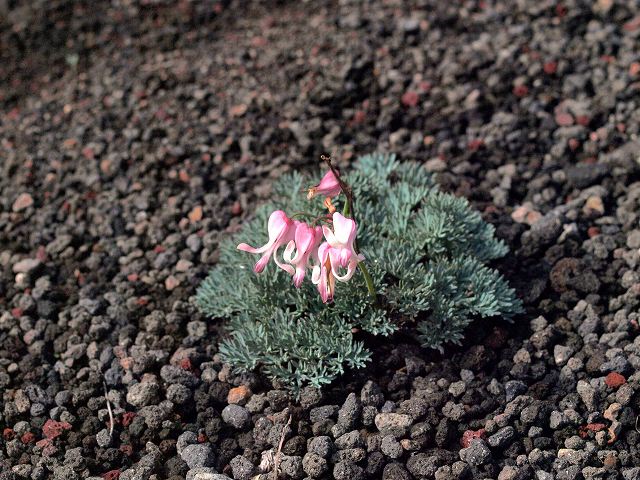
{"x":322,"y":275}
{"x":328,"y":186}
{"x":281,"y":231}
{"x":305,"y":243}
{"x":337,"y":252}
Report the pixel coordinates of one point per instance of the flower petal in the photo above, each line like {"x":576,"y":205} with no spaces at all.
{"x":344,"y":228}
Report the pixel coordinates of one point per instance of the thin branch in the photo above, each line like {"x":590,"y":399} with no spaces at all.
{"x":111,"y":422}
{"x":276,"y":465}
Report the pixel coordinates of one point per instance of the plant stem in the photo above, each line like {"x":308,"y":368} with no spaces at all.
{"x":346,"y":211}
{"x":368,"y":280}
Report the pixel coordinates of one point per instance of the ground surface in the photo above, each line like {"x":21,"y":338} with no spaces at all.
{"x":135,"y":134}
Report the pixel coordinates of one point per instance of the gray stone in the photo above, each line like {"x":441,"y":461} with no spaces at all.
{"x":321,"y":446}
{"x":422,"y":465}
{"x":391,"y":447}
{"x":347,"y":471}
{"x":314,"y":465}
{"x":351,"y":439}
{"x":241,"y":468}
{"x":502,"y":438}
{"x":178,"y":394}
{"x":587,"y":394}
{"x":562,"y":354}
{"x":350,"y":411}
{"x":103,"y":439}
{"x":236,"y":416}
{"x":396,"y":424}
{"x":185,"y":438}
{"x":198,"y":455}
{"x":476,"y":454}
{"x":291,"y":466}
{"x":143,"y":393}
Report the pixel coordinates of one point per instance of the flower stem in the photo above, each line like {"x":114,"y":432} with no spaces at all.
{"x":368,"y":280}
{"x":346,"y":211}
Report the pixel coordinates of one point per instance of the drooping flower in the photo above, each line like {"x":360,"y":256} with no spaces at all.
{"x":322,"y":275}
{"x":305,"y":243}
{"x":338,"y":252}
{"x":281,"y":231}
{"x":328,"y":186}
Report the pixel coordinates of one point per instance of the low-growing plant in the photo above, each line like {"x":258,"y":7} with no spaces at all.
{"x":403,"y":253}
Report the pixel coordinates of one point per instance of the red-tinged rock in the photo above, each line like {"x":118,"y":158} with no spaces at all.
{"x":184,"y":176}
{"x":16,"y":312}
{"x":52,"y":429}
{"x":127,"y":418}
{"x":632,"y":25}
{"x":574,"y":144}
{"x":470,"y":435}
{"x":564,"y":119}
{"x":239,"y":395}
{"x":202,"y":438}
{"x":27,"y":438}
{"x":22,"y":201}
{"x":88,"y":153}
{"x":520,"y":90}
{"x":185,"y":364}
{"x":593,"y":232}
{"x":238,"y":110}
{"x":236,"y":209}
{"x":132,"y":277}
{"x":126,"y":449}
{"x":259,"y":42}
{"x":475,"y":144}
{"x":142,"y":301}
{"x":8,"y":434}
{"x":584,"y":430}
{"x":621,"y":127}
{"x":195,"y":215}
{"x":425,"y":86}
{"x":358,"y":117}
{"x":561,"y":10}
{"x":47,"y":446}
{"x":158,"y":249}
{"x":634,"y":69}
{"x":111,"y":475}
{"x":614,"y":380}
{"x":583,"y":120}
{"x":550,"y":68}
{"x":410,"y":98}
{"x":41,"y":254}
{"x":171,"y":283}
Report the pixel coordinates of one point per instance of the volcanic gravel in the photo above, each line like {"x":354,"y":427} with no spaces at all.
{"x":135,"y":135}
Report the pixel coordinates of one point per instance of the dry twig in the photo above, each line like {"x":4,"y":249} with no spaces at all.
{"x":276,"y":465}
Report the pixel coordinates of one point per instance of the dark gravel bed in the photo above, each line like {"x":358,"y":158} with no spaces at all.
{"x":134,"y":135}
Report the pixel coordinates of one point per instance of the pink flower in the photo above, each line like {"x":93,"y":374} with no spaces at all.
{"x":306,"y":243}
{"x":281,"y":231}
{"x":322,"y":274}
{"x":328,"y":186}
{"x":338,"y":252}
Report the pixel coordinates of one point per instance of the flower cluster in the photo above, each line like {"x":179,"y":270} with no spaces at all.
{"x":333,"y":259}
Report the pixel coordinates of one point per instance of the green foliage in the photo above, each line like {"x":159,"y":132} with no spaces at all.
{"x":426,"y":252}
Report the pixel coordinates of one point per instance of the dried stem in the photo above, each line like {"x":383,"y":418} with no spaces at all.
{"x":111,"y":422}
{"x":276,"y":465}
